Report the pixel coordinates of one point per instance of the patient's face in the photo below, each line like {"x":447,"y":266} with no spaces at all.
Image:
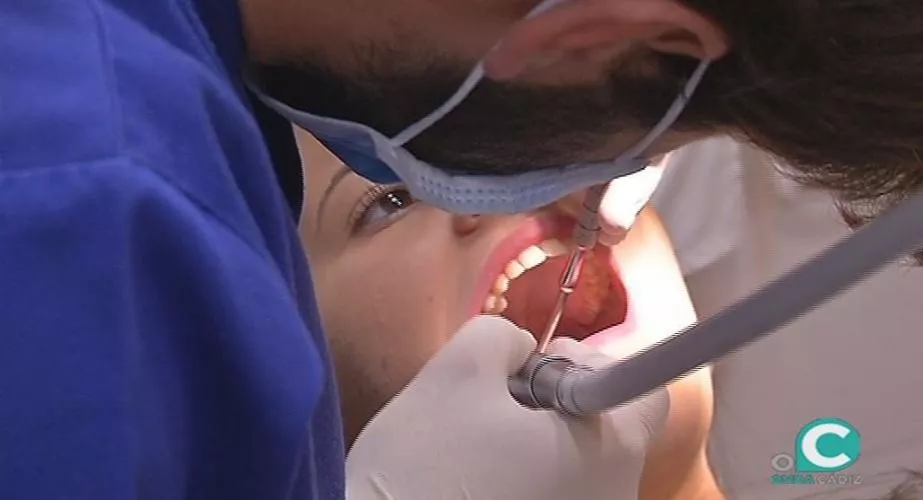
{"x":395,"y":279}
{"x":391,"y":278}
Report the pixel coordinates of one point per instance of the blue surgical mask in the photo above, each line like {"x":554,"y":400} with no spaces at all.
{"x":384,"y":160}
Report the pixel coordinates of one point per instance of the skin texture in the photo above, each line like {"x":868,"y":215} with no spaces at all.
{"x":390,"y":299}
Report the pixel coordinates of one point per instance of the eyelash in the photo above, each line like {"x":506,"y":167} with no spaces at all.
{"x":359,"y":220}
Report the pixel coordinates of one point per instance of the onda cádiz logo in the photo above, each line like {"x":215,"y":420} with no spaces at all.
{"x":824,"y":449}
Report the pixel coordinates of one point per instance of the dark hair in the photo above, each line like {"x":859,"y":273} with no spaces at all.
{"x":832,"y":87}
{"x":912,"y":489}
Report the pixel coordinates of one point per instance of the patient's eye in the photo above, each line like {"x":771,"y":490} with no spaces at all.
{"x":382,"y":205}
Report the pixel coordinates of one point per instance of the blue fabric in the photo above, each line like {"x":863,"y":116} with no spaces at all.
{"x":158,"y":333}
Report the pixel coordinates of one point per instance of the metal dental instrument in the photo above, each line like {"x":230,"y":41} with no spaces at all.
{"x":553,"y":382}
{"x":586,"y":232}
{"x":549,"y":367}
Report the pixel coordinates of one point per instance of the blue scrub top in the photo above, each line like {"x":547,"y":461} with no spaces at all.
{"x":158,"y":332}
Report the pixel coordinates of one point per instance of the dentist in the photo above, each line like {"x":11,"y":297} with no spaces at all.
{"x":159,"y":334}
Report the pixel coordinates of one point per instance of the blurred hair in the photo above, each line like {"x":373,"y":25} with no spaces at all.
{"x":911,"y":489}
{"x":832,"y":87}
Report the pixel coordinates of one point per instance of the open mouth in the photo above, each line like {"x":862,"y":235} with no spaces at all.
{"x":526,"y":270}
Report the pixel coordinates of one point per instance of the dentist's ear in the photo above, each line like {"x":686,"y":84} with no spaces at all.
{"x":581,"y":26}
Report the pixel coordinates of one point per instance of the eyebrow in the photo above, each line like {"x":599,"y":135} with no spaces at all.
{"x":334,"y":182}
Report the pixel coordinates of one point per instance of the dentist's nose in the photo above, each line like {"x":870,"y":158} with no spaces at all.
{"x":466,"y":224}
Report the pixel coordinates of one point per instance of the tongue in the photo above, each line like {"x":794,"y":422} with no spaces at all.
{"x":597,"y":303}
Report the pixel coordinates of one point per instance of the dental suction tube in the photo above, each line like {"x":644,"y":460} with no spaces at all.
{"x":578,"y":391}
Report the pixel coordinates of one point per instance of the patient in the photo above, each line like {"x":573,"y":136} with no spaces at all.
{"x":396,"y":278}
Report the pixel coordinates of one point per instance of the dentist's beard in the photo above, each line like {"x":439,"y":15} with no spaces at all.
{"x":500,"y":127}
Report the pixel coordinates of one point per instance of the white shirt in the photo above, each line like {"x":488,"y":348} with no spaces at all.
{"x":736,"y":224}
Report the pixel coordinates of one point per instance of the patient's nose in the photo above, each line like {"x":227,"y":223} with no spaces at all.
{"x":466,"y":224}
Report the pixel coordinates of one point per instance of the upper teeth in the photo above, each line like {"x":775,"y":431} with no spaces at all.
{"x":529,"y":258}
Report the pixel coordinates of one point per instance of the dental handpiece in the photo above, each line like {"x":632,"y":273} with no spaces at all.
{"x":586,"y":232}
{"x":557,"y":383}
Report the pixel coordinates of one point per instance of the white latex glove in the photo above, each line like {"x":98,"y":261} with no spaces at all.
{"x":624,"y":199}
{"x":455,"y":432}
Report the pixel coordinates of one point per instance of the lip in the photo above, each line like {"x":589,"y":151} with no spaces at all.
{"x":531,"y":231}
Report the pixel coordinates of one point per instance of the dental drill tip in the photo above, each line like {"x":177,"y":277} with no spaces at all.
{"x":586,"y":233}
{"x":567,"y":285}
{"x":553,"y":321}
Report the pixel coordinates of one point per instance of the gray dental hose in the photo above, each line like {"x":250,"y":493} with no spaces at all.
{"x":552,"y":382}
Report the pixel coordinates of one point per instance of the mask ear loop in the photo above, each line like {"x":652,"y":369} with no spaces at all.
{"x":426,"y":122}
{"x":679,"y":104}
{"x":474,"y":77}
{"x":478,"y":73}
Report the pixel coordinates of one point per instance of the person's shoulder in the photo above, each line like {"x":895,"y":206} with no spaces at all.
{"x":69,"y":70}
{"x":56,"y":105}
{"x":85,"y":80}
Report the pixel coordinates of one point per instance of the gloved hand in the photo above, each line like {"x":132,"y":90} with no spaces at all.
{"x":455,"y":432}
{"x":624,"y":199}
